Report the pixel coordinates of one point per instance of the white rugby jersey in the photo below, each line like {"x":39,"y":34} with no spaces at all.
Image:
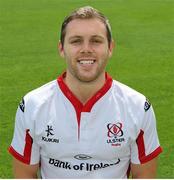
{"x":100,"y":139}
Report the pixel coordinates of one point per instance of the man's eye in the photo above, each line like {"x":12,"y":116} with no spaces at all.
{"x":96,"y":41}
{"x":75,"y":41}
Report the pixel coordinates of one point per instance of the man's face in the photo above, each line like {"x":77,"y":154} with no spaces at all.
{"x":86,"y":49}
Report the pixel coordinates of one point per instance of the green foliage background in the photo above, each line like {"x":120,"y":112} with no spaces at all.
{"x":143,"y":58}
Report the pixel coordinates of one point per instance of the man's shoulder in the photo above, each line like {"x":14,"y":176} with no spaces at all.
{"x":42,"y":93}
{"x":129,"y":95}
{"x":126,"y":90}
{"x":134,"y":101}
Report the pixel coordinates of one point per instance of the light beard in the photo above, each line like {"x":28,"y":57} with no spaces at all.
{"x":86,"y":80}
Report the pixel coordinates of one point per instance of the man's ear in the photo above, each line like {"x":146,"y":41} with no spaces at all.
{"x":111,"y":47}
{"x":60,"y":48}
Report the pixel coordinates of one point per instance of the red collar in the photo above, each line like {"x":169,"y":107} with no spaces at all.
{"x":79,"y":107}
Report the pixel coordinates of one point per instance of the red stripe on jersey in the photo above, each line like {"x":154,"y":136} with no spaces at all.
{"x":141,"y":149}
{"x":152,"y":155}
{"x":100,"y":93}
{"x":28,"y":146}
{"x":141,"y":146}
{"x":128,"y":171}
{"x":70,"y":96}
{"x":27,"y":150}
{"x":79,"y":107}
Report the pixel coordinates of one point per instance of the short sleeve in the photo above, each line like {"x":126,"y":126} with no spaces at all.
{"x":146,"y":146}
{"x":23,"y":146}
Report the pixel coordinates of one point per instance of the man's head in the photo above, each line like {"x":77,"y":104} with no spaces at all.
{"x":86,"y":44}
{"x":86,"y":12}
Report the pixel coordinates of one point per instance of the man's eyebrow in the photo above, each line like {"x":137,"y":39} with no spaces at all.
{"x":78,"y":37}
{"x":74,"y":37}
{"x":97,"y":36}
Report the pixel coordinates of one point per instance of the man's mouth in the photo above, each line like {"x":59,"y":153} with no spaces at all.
{"x":86,"y":61}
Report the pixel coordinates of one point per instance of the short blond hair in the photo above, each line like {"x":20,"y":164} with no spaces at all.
{"x":86,"y":12}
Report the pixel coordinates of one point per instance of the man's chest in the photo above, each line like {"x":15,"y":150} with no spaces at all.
{"x":99,"y":135}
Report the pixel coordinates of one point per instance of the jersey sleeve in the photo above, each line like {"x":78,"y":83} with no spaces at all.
{"x":23,"y":146}
{"x":146,"y":146}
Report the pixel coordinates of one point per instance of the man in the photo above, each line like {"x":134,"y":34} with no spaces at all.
{"x":85,"y":124}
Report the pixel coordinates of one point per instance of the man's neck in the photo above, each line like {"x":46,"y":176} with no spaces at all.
{"x":84,"y":90}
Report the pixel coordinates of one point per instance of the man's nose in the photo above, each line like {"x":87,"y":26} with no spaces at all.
{"x":86,"y":48}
